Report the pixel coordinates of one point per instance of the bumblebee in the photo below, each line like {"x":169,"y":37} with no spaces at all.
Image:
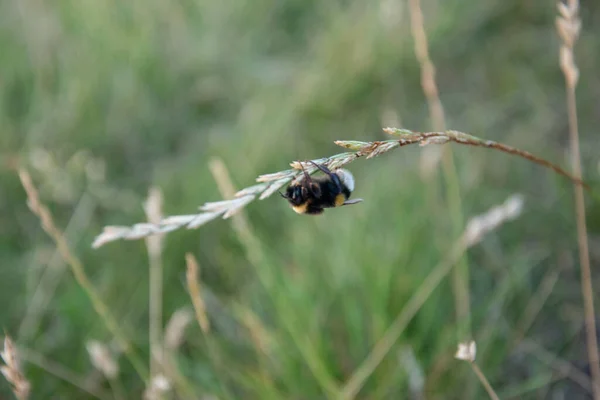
{"x":312,"y":195}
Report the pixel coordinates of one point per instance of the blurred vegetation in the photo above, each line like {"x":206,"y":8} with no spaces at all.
{"x":101,"y":100}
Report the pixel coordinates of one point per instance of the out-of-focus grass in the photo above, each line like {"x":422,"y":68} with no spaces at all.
{"x":102,"y":99}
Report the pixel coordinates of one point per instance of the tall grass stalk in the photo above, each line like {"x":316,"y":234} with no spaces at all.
{"x":429,"y":159}
{"x":154,"y":244}
{"x":60,"y":371}
{"x":569,"y":25}
{"x":47,"y":222}
{"x":473,"y":234}
{"x":53,"y":271}
{"x":10,"y":368}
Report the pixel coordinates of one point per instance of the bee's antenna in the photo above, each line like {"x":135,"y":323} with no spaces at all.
{"x":285,"y":196}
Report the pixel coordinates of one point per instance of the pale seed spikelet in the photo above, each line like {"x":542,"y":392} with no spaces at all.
{"x":175,"y":330}
{"x":102,"y":359}
{"x":158,"y":388}
{"x":568,"y":26}
{"x":258,"y":332}
{"x":153,"y":209}
{"x":466,"y":351}
{"x":12,"y":370}
{"x":478,"y":226}
{"x":195,"y":293}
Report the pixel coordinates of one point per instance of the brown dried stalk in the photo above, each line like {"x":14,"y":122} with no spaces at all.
{"x":271,"y":183}
{"x":47,"y":222}
{"x":12,"y":370}
{"x":194,"y":289}
{"x":568,"y":25}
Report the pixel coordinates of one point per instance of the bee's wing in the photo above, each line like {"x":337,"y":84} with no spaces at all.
{"x":353,"y":201}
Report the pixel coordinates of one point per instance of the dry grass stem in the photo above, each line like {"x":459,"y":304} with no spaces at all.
{"x":195,"y":293}
{"x":270,"y":183}
{"x":569,"y":25}
{"x":437,"y":274}
{"x":430,"y":159}
{"x":53,"y":270}
{"x":258,"y":333}
{"x":153,"y":209}
{"x":240,"y":223}
{"x":484,"y":381}
{"x":81,"y":277}
{"x":431,"y":156}
{"x":12,"y":370}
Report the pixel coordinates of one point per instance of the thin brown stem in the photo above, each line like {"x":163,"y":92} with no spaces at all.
{"x":584,"y":255}
{"x":484,"y":381}
{"x":430,"y":157}
{"x":568,"y":25}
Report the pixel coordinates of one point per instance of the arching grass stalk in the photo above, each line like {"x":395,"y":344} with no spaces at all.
{"x":271,"y":183}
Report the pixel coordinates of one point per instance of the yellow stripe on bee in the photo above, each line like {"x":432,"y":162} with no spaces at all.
{"x":301,"y":209}
{"x":339,"y":200}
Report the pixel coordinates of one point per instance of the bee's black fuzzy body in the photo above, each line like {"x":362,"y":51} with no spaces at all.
{"x":312,"y":195}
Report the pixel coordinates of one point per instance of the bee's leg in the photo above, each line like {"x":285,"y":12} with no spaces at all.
{"x":350,"y":202}
{"x":323,"y":168}
{"x":310,"y":185}
{"x":306,"y":175}
{"x":334,"y":177}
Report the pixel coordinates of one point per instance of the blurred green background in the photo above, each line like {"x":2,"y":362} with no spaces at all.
{"x":101,"y":100}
